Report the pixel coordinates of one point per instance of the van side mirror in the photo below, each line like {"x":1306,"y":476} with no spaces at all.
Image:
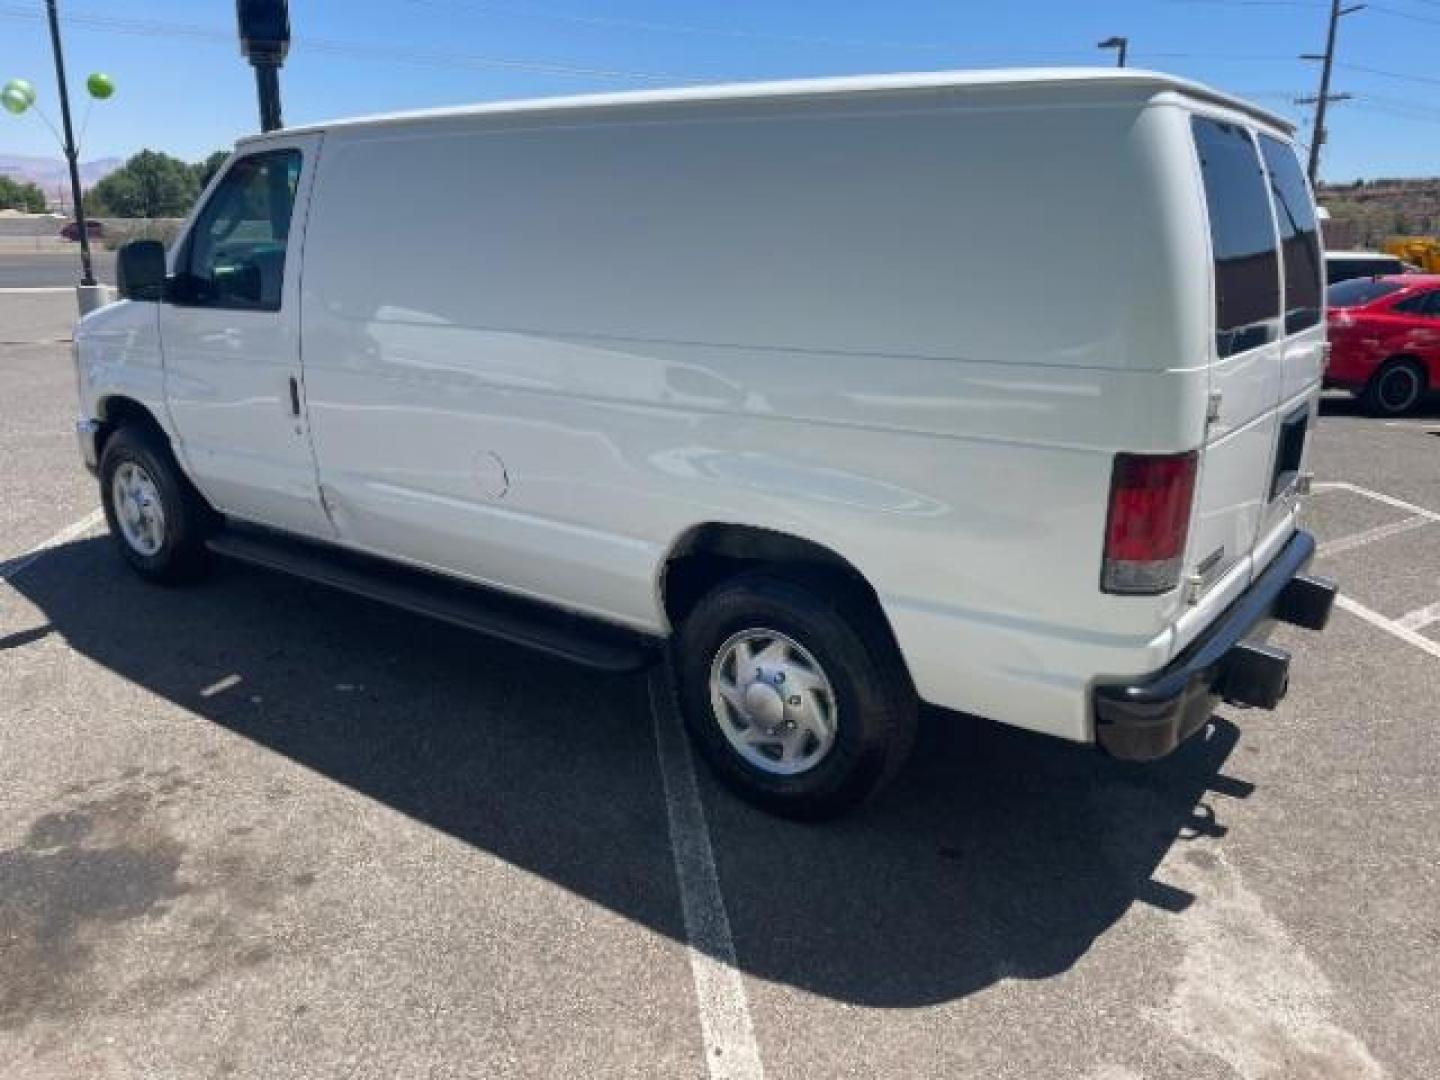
{"x":140,"y":271}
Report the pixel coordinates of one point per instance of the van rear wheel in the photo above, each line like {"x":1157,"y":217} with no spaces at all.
{"x":794,"y":694}
{"x":1395,"y":389}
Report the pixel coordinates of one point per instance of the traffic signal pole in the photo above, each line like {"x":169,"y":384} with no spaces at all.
{"x":267,"y":88}
{"x":264,"y":27}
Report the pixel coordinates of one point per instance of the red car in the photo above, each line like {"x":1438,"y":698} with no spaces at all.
{"x":1385,"y":340}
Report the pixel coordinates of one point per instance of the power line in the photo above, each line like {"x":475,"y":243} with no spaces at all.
{"x":426,"y":57}
{"x":1397,"y":114}
{"x":609,"y":22}
{"x":358,"y":50}
{"x":1396,"y":13}
{"x":1254,"y":3}
{"x":1404,"y":76}
{"x":1403,"y":103}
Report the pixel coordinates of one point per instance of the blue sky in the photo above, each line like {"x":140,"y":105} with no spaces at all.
{"x":184,"y":89}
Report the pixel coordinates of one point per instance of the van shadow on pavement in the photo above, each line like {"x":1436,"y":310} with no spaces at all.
{"x":996,"y":854}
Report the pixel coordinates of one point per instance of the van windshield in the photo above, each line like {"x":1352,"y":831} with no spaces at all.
{"x":1242,"y":237}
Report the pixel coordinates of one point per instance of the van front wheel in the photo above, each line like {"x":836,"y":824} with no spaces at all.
{"x":794,"y":694}
{"x":158,"y":521}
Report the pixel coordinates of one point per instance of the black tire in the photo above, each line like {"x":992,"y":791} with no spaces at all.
{"x":875,"y":704}
{"x":1396,"y":389}
{"x":182,"y":555}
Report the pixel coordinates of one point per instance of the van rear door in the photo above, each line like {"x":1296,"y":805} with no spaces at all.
{"x":1246,"y":374}
{"x":1303,"y":330}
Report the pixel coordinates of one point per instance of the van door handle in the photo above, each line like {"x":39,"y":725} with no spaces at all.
{"x":294,"y":396}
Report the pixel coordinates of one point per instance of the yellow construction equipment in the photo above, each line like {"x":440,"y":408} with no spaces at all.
{"x":1422,"y":251}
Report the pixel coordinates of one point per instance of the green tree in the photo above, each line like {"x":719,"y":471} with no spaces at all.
{"x":148,"y":185}
{"x":204,"y":170}
{"x":17,"y":196}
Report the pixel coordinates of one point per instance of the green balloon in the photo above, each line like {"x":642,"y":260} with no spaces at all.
{"x":100,"y":85}
{"x":17,"y":96}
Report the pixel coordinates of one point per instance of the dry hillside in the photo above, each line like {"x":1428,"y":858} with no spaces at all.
{"x":1363,"y":214}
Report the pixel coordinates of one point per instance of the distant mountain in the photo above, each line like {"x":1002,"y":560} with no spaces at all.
{"x":52,"y":173}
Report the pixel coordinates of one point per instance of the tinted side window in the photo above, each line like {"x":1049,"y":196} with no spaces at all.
{"x":1242,"y":237}
{"x":1358,"y":291}
{"x":1345,"y":269}
{"x":236,"y":251}
{"x":1427,"y":304}
{"x":1299,"y":235}
{"x":1338,"y":270}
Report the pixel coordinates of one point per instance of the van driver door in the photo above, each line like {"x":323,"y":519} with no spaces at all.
{"x":230,"y":335}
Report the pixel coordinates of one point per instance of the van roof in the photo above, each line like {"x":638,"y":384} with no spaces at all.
{"x":853,"y":85}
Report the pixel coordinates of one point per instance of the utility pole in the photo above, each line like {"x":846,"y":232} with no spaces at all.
{"x":1323,"y":99}
{"x":87,"y":272}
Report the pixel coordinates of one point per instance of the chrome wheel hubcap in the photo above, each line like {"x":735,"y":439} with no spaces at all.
{"x":137,"y":509}
{"x":773,"y":701}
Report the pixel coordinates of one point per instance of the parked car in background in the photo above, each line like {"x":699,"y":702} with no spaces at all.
{"x":1385,"y":340}
{"x":1346,"y":265}
{"x":71,"y":230}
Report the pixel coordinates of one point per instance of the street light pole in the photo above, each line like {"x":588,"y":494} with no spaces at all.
{"x":1121,"y":45}
{"x":87,"y":275}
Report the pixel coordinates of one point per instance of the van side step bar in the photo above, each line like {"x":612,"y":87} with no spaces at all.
{"x":496,"y":614}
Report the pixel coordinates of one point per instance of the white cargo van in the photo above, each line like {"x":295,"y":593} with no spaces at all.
{"x":987,"y":390}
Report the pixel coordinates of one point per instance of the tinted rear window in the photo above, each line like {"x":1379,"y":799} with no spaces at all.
{"x":1299,"y":235}
{"x":1359,"y":291}
{"x":1242,"y":237}
{"x":1343,"y":269}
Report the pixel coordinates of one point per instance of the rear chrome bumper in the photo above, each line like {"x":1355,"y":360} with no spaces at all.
{"x":1146,"y":718}
{"x":87,"y":434}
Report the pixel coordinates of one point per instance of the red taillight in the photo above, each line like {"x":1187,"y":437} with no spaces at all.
{"x":1150,"y":497}
{"x":1341,"y":318}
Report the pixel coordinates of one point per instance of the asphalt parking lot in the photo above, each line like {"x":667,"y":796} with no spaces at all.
{"x":258,"y":829}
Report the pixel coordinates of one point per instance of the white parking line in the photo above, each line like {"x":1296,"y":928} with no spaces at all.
{"x":1420,"y":617}
{"x":13,"y":568}
{"x":729,"y":1038}
{"x":1378,"y":496}
{"x":1390,"y":626}
{"x":1369,"y":536}
{"x":1406,"y":626}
